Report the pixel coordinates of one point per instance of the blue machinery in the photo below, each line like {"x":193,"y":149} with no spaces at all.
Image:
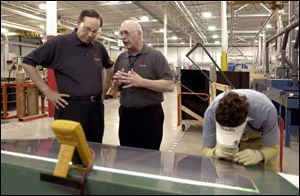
{"x":285,"y":99}
{"x":284,"y":92}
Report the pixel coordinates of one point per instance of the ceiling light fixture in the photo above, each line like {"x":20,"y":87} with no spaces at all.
{"x":42,"y":6}
{"x":215,"y":36}
{"x":211,"y":28}
{"x":174,"y":37}
{"x":4,"y":30}
{"x":144,"y":18}
{"x":206,"y":14}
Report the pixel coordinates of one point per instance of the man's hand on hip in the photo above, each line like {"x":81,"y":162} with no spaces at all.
{"x":56,"y":98}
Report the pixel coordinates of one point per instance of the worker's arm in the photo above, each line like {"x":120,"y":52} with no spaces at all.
{"x":107,"y":82}
{"x":158,"y":85}
{"x":270,"y":137}
{"x":253,"y":157}
{"x":51,"y":95}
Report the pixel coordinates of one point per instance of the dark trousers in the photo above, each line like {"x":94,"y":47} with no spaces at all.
{"x":89,"y":114}
{"x":141,"y":127}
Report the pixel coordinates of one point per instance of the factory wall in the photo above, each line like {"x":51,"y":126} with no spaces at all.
{"x":176,"y":55}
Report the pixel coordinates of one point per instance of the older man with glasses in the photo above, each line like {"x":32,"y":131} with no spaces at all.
{"x":78,"y":62}
{"x":142,"y":74}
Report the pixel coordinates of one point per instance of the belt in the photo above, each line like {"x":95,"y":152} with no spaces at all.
{"x":140,"y":108}
{"x":92,"y":98}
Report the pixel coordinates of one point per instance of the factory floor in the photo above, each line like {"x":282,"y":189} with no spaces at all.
{"x":174,"y":139}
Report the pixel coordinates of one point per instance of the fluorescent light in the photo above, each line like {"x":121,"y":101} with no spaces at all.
{"x":217,"y":42}
{"x":42,"y":6}
{"x":206,"y":14}
{"x":182,"y":42}
{"x":256,"y":41}
{"x":144,"y":18}
{"x":116,"y":32}
{"x":4,"y":30}
{"x":269,"y":26}
{"x":211,"y":28}
{"x":161,"y":30}
{"x":215,"y":36}
{"x":174,"y":37}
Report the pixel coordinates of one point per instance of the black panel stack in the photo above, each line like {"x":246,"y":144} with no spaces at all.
{"x":195,"y":81}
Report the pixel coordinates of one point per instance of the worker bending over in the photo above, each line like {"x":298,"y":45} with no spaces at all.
{"x":242,"y":125}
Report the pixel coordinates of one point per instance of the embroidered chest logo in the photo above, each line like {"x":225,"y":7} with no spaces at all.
{"x":141,"y":63}
{"x":96,"y":57}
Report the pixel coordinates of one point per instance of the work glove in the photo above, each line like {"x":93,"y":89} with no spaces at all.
{"x":221,"y":152}
{"x":248,"y":157}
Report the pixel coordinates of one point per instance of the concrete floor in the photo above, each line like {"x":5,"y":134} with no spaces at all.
{"x":174,"y":139}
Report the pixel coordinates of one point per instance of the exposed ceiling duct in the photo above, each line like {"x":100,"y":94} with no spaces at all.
{"x":191,"y":20}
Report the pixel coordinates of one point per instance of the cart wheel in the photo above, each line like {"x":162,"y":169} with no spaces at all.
{"x":183,"y":127}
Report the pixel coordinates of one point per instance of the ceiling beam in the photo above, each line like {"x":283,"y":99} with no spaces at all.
{"x":171,"y":24}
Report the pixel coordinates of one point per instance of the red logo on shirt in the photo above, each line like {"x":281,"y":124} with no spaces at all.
{"x":142,"y":63}
{"x":96,"y":57}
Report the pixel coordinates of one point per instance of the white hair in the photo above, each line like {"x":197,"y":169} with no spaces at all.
{"x":134,"y":24}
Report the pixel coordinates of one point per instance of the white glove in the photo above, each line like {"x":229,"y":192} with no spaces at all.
{"x":248,"y":157}
{"x":227,"y":153}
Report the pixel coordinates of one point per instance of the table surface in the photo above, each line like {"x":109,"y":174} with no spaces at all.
{"x":164,"y":172}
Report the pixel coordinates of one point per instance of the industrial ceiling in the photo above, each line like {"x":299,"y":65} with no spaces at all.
{"x":185,"y":19}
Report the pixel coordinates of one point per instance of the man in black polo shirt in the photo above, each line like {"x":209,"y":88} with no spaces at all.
{"x":77,"y":61}
{"x":142,"y":74}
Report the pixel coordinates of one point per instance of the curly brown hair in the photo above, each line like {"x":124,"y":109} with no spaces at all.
{"x":232,"y":110}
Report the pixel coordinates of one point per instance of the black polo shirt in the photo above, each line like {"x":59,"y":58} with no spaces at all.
{"x":150,"y":64}
{"x":77,"y":66}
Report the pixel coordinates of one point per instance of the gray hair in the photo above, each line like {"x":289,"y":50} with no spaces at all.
{"x":133,"y":24}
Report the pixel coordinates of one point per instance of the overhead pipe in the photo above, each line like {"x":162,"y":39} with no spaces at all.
{"x":19,"y":26}
{"x":265,"y":8}
{"x":285,"y":30}
{"x":263,"y":26}
{"x":241,"y":8}
{"x":154,"y":15}
{"x":192,"y":18}
{"x":191,"y":21}
{"x":34,"y":17}
{"x":27,"y":15}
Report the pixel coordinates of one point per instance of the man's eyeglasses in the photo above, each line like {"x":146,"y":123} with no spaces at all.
{"x":88,"y":29}
{"x":126,"y":33}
